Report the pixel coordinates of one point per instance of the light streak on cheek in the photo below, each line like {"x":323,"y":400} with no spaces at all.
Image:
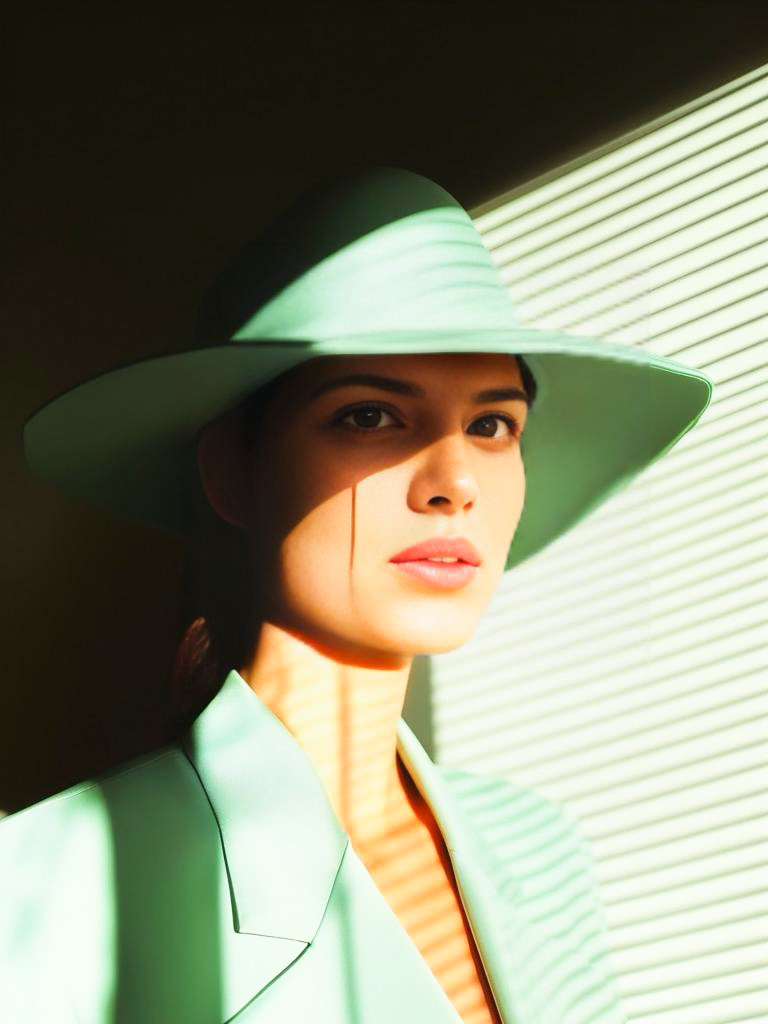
{"x":352,"y":527}
{"x":352,"y":544}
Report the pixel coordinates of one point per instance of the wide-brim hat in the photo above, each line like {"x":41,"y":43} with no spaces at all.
{"x":382,"y":262}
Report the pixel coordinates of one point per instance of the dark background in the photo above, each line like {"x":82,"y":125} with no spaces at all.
{"x":139,"y":151}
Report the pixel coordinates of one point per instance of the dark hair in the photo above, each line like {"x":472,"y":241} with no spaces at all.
{"x":529,"y":381}
{"x":219,"y":600}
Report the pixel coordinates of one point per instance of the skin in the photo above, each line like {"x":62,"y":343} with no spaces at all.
{"x":325,"y":507}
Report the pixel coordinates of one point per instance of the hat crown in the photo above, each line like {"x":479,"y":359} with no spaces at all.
{"x":384,"y":249}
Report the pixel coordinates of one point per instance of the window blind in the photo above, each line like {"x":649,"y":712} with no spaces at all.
{"x":622,"y":670}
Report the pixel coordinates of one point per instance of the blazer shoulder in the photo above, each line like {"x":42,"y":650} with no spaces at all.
{"x":540,"y":859}
{"x":144,"y":798}
{"x":68,"y":803}
{"x":533,"y":837}
{"x":112,"y":888}
{"x":528,"y":812}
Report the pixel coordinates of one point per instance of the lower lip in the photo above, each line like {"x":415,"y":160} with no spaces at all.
{"x":446,"y":575}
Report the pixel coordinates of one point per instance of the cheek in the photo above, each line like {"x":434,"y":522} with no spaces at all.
{"x":295,"y":486}
{"x":340,"y":547}
{"x":316,"y":553}
{"x":324,"y":534}
{"x":503,"y":502}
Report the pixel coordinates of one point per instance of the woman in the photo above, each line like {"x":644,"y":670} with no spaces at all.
{"x":362,"y":402}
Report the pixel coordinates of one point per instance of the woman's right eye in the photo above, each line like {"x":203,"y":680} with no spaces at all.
{"x":367,"y":418}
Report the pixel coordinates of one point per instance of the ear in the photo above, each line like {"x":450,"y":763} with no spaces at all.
{"x":222,"y":470}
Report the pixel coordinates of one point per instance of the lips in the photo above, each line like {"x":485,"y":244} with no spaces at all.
{"x":440,"y":547}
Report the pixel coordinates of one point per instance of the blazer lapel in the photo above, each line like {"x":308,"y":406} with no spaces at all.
{"x":282,"y":841}
{"x":474,"y":864}
{"x":288,"y":864}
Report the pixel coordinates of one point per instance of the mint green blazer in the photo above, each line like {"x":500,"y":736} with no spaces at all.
{"x":211,"y":881}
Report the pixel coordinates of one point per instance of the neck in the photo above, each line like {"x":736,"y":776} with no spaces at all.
{"x":344,"y":714}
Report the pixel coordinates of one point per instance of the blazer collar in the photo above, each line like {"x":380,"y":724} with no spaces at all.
{"x":475,"y":863}
{"x":282,"y":841}
{"x":458,"y":833}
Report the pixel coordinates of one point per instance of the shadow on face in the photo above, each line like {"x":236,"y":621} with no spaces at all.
{"x":344,"y":462}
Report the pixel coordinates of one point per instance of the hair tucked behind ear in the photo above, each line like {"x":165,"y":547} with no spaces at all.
{"x":218,"y":604}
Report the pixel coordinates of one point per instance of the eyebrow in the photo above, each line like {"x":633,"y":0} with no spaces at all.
{"x":404,"y":387}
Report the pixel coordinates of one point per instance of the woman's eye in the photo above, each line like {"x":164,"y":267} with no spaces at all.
{"x":365,"y":417}
{"x":488,"y":425}
{"x":369,"y":418}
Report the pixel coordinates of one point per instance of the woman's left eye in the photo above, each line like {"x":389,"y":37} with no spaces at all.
{"x":488,"y":420}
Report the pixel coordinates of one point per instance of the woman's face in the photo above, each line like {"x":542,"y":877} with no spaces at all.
{"x":344,"y":475}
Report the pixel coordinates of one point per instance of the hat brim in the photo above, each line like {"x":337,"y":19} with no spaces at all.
{"x":125,"y":440}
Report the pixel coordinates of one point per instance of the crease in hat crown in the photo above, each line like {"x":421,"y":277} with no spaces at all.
{"x":387,"y":250}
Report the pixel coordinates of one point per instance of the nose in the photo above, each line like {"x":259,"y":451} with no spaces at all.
{"x":444,"y":478}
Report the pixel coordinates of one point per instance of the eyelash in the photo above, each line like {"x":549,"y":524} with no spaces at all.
{"x":513,"y":425}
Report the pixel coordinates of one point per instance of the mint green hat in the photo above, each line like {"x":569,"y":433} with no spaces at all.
{"x":382,"y":262}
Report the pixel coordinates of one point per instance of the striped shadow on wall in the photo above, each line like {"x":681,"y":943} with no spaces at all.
{"x":622,"y":671}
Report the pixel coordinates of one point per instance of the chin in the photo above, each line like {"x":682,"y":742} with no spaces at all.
{"x":438,"y":640}
{"x":433,"y":649}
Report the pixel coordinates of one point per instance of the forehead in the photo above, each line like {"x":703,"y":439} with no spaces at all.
{"x":430,"y":369}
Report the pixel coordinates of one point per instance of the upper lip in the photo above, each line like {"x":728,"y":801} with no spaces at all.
{"x":435,"y":547}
